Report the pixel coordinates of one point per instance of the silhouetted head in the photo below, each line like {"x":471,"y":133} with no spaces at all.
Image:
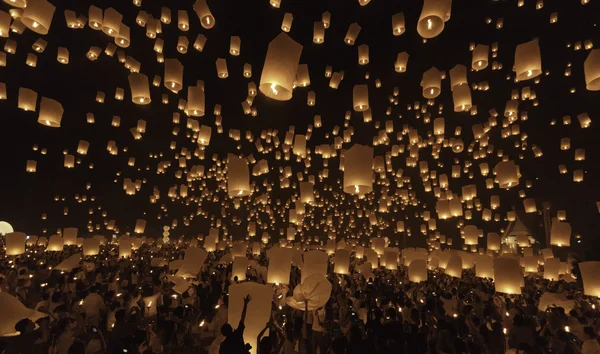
{"x":226,"y":330}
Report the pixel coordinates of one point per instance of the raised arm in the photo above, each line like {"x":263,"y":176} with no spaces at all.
{"x":246,"y":301}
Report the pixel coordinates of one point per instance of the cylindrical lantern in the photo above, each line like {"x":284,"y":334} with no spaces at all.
{"x":360,"y":98}
{"x":15,"y":243}
{"x":318,"y":32}
{"x":111,"y":22}
{"x":480,"y":57}
{"x":398,"y":26}
{"x":431,"y":83}
{"x":508,"y":276}
{"x":173,"y":75}
{"x":280,"y":67}
{"x":51,"y":112}
{"x":352,"y":33}
{"x":206,"y":18}
{"x":286,"y":24}
{"x":342,"y":262}
{"x":195,"y":101}
{"x":528,"y":60}
{"x":417,"y":271}
{"x":140,"y":88}
{"x":37,"y":16}
{"x":238,"y":176}
{"x":590,"y":274}
{"x":432,"y":18}
{"x":358,"y":173}
{"x":591,"y":68}
{"x":363,"y":54}
{"x":401,"y":62}
{"x":560,"y":233}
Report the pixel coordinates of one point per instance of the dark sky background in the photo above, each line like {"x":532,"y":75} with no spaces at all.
{"x":25,"y":196}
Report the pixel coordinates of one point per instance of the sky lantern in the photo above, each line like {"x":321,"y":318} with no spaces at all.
{"x":560,"y":233}
{"x":280,"y":68}
{"x":51,"y":113}
{"x":206,"y":18}
{"x":480,"y":57}
{"x":508,"y":275}
{"x":15,"y":243}
{"x":358,"y":174}
{"x":398,"y":26}
{"x":195,"y":101}
{"x":528,"y":60}
{"x":286,"y":24}
{"x":140,"y":88}
{"x":591,"y":68}
{"x":173,"y":75}
{"x":431,"y":83}
{"x":238,"y":176}
{"x":38,"y":16}
{"x":360,"y":98}
{"x":352,"y":33}
{"x":433,"y":16}
{"x":111,"y":22}
{"x":342,"y":261}
{"x":590,"y":274}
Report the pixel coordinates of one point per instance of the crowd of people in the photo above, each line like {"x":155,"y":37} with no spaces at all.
{"x":101,"y":306}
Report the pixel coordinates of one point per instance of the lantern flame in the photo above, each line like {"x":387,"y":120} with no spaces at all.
{"x":274,"y":89}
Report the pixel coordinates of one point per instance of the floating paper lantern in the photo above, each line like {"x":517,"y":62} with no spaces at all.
{"x":27,"y":99}
{"x":493,"y":241}
{"x":238,"y":176}
{"x":124,"y":247}
{"x":37,"y":16}
{"x":111,"y":22}
{"x":15,"y":243}
{"x":458,"y":76}
{"x":480,"y":57}
{"x":55,"y":243}
{"x":530,"y":205}
{"x":70,"y":236}
{"x":507,"y":174}
{"x":318,"y":32}
{"x":91,"y":246}
{"x":360,"y":98}
{"x":51,"y":112}
{"x":454,"y":266}
{"x":195,"y":101}
{"x":431,"y":83}
{"x":62,"y":55}
{"x":140,"y":88}
{"x":417,"y":271}
{"x":358,"y":174}
{"x":528,"y":60}
{"x":280,"y":67}
{"x":286,"y":24}
{"x":352,"y":33}
{"x":484,"y":266}
{"x":69,"y":161}
{"x":206,"y":18}
{"x":401,"y":62}
{"x":183,"y":21}
{"x":590,"y":274}
{"x":462,"y":98}
{"x":432,"y":18}
{"x":123,"y":38}
{"x":508,"y":276}
{"x":173,"y":75}
{"x":31,"y":166}
{"x":239,"y":268}
{"x":95,"y":17}
{"x":560,"y":233}
{"x":398,"y":26}
{"x":363,"y":54}
{"x":140,"y":226}
{"x":591,"y":68}
{"x":342,"y":261}
{"x":182,"y":44}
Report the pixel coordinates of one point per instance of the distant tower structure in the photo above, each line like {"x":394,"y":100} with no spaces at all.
{"x":547,"y":221}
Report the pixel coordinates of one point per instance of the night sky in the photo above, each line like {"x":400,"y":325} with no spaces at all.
{"x":25,"y":196}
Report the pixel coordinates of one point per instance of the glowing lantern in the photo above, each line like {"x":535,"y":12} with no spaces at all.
{"x":91,"y":246}
{"x":239,"y":268}
{"x":360,"y":98}
{"x":507,"y":174}
{"x":462,"y":98}
{"x":280,"y":67}
{"x":417,"y":271}
{"x":401,"y":62}
{"x":398,"y":26}
{"x":15,"y":243}
{"x":206,"y":18}
{"x":111,"y":22}
{"x":480,"y":57}
{"x":235,"y":44}
{"x":431,"y":83}
{"x":195,"y":101}
{"x":508,"y":276}
{"x":63,"y":55}
{"x":37,"y":16}
{"x":27,"y":99}
{"x":238,"y":176}
{"x":358,"y":174}
{"x":55,"y":244}
{"x":363,"y":54}
{"x":70,"y":236}
{"x":123,"y":38}
{"x":529,"y":205}
{"x":484,"y":266}
{"x":173,"y":75}
{"x":318,"y":32}
{"x":454,"y":266}
{"x":51,"y":112}
{"x":286,"y":24}
{"x":31,"y":166}
{"x":432,"y":18}
{"x":352,"y":33}
{"x":591,"y":68}
{"x":528,"y":60}
{"x":342,"y":262}
{"x":140,"y":88}
{"x":590,"y":274}
{"x":560,"y":233}
{"x":140,"y":226}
